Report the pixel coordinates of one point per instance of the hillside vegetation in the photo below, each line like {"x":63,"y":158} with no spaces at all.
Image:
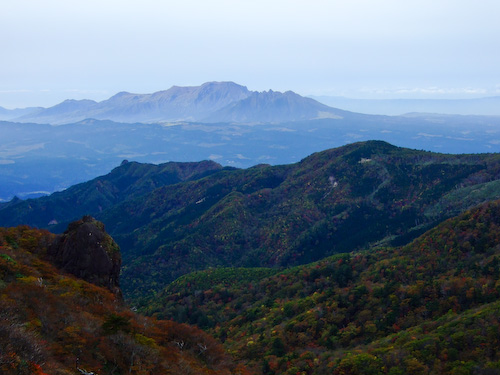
{"x":430,"y":307}
{"x":53,"y":323}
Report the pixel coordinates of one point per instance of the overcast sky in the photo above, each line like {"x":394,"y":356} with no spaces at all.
{"x":52,"y":50}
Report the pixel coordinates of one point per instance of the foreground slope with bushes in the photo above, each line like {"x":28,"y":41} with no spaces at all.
{"x":54,"y":323}
{"x":430,"y":307}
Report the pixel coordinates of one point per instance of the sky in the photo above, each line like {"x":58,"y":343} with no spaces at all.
{"x":53,"y":50}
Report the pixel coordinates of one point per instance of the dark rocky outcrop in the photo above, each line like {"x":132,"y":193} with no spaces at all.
{"x":88,"y":252}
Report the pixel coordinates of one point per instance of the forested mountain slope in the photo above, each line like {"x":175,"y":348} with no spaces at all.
{"x":334,"y":201}
{"x":54,"y":323}
{"x":430,"y":307}
{"x":131,"y":179}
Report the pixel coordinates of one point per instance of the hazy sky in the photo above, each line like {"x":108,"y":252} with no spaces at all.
{"x":57,"y":49}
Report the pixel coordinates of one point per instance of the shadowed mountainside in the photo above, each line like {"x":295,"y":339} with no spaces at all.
{"x":402,"y":298}
{"x":129,"y":180}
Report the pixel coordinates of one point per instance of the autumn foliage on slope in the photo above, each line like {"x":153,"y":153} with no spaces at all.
{"x":51,"y":323}
{"x":431,"y":307}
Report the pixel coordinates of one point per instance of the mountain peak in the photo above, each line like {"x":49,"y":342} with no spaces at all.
{"x":223,"y":84}
{"x":120,"y":94}
{"x":215,"y":101}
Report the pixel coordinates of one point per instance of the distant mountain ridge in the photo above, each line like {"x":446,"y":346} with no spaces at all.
{"x":210,"y":102}
{"x":214,"y":102}
{"x":38,"y":159}
{"x":10,"y":114}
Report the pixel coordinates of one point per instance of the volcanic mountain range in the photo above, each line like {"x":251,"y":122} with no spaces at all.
{"x":211,"y":102}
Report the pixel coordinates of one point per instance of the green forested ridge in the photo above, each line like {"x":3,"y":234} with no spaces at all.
{"x":332,"y":202}
{"x":169,"y":220}
{"x":129,"y":180}
{"x":430,"y":307}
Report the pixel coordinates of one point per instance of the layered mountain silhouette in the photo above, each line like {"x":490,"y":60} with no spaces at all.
{"x":338,"y":200}
{"x":210,"y":102}
{"x":38,"y":159}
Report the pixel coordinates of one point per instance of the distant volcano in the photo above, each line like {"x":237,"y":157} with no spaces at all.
{"x":210,"y":102}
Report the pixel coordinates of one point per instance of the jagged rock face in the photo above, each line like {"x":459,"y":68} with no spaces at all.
{"x":88,"y":252}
